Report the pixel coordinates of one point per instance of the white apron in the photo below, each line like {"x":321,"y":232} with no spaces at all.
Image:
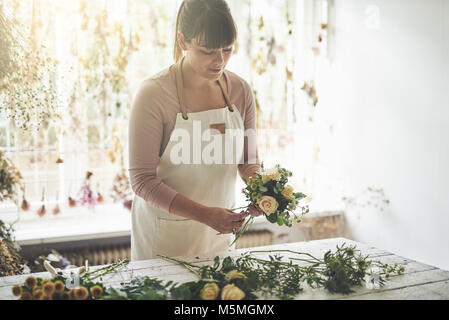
{"x":155,"y":231}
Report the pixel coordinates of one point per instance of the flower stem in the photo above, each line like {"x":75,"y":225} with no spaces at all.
{"x":286,"y":250}
{"x":243,"y":229}
{"x":185,"y":264}
{"x":245,"y":207}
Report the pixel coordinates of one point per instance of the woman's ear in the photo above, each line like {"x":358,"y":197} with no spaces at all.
{"x":182,"y":41}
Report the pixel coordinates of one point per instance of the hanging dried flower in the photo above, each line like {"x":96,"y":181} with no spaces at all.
{"x":86,"y":195}
{"x":72,"y":202}
{"x":56,"y":210}
{"x":121,"y":189}
{"x":41,"y":211}
{"x":25,"y":205}
{"x":28,"y":93}
{"x":128,"y":204}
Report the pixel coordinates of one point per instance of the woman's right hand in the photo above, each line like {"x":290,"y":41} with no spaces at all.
{"x":224,"y":220}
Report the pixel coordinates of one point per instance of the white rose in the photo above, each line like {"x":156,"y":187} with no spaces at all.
{"x":232,"y":292}
{"x":209,"y":291}
{"x":288,"y":193}
{"x":270,"y":174}
{"x":268,"y":204}
{"x":234,"y":274}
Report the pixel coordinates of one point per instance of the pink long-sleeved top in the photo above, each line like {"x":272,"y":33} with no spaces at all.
{"x":153,"y":118}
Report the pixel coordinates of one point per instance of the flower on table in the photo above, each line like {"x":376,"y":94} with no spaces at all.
{"x":26,"y":295}
{"x":373,"y":281}
{"x":38,"y":294}
{"x":65,"y":295}
{"x":81,"y":293}
{"x":210,"y":291}
{"x":232,"y":292}
{"x":234,"y":274}
{"x":30,"y":282}
{"x":48,"y":288}
{"x":96,"y":291}
{"x":17,"y":290}
{"x":59,"y":286}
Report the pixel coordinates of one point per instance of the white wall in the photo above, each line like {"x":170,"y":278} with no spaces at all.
{"x":386,"y":96}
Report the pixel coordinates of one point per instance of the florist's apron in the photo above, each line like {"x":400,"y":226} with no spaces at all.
{"x":211,"y":183}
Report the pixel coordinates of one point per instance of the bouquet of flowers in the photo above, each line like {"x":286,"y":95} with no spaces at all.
{"x":278,"y":200}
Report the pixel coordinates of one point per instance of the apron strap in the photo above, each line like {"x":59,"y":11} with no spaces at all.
{"x":225,"y":92}
{"x":180,"y":86}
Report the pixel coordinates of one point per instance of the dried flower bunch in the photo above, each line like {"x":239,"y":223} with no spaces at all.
{"x":59,"y":288}
{"x":10,"y":179}
{"x":27,"y":88}
{"x":11,"y":263}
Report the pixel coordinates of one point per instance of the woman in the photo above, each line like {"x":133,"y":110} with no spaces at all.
{"x":183,"y":208}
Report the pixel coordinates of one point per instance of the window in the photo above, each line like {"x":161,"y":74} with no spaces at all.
{"x":105,"y":49}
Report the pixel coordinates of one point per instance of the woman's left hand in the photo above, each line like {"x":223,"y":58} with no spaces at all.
{"x":254,"y":210}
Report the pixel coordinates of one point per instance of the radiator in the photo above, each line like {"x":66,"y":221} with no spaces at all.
{"x":107,"y":254}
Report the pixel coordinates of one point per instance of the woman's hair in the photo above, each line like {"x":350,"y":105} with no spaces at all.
{"x":208,"y":21}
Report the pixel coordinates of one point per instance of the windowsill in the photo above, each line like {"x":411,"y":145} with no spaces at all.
{"x":72,"y":224}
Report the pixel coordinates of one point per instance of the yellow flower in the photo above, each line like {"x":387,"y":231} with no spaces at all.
{"x":26,"y":296}
{"x":72,"y":294}
{"x":232,"y":292}
{"x":17,"y":290}
{"x":268,"y":204}
{"x":210,"y":291}
{"x":66,"y":296}
{"x":30,"y":282}
{"x":288,"y":193}
{"x":45,"y":281}
{"x":270,"y":174}
{"x":37,"y":294}
{"x":96,"y":291}
{"x":59,"y":286}
{"x":81,"y":293}
{"x":35,"y":288}
{"x":48,"y":288}
{"x":234,"y":274}
{"x":46,"y":297}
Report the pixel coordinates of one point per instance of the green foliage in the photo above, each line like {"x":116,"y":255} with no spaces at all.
{"x":339,"y":271}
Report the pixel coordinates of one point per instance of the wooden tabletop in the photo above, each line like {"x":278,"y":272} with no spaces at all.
{"x":419,"y":281}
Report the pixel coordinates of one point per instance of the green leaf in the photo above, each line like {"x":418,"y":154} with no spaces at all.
{"x":280,"y":220}
{"x":272,"y":217}
{"x":299,"y":195}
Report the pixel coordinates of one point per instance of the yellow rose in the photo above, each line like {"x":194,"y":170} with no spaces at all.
{"x":234,"y":274}
{"x":270,"y":174}
{"x":268,"y":204}
{"x":288,"y":193}
{"x":232,"y":292}
{"x":209,"y":291}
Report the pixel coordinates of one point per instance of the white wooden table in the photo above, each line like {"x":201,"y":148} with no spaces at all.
{"x":419,"y":281}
